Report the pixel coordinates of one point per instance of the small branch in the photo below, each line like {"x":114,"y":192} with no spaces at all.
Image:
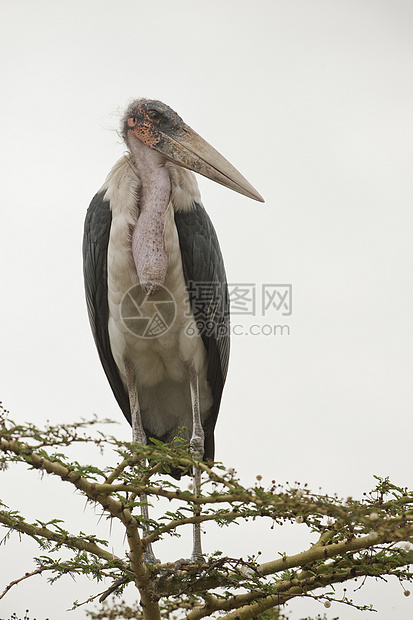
{"x":218,"y":604}
{"x":117,"y":471}
{"x":119,"y":582}
{"x":321,"y":552}
{"x":172,"y":525}
{"x":38,"y":571}
{"x":72,"y":542}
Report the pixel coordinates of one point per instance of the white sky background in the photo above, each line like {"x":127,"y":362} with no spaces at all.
{"x":312,"y":102}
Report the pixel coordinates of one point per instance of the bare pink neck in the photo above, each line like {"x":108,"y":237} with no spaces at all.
{"x":148,"y":243}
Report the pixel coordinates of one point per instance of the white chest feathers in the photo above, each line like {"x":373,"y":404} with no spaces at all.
{"x":160,"y":339}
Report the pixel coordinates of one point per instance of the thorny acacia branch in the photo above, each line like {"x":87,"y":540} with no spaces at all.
{"x":354,"y":538}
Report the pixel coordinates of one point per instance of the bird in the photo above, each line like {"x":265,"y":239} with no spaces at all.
{"x":155,"y":283}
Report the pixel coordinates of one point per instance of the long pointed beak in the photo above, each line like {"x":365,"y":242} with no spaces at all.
{"x":189,"y":150}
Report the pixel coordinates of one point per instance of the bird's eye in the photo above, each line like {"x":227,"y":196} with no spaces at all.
{"x":154,"y":115}
{"x":132,"y":122}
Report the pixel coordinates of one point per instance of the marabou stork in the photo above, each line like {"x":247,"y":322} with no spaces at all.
{"x":147,"y":235}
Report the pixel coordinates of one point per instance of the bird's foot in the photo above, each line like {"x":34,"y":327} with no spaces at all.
{"x":186,"y":562}
{"x":179,"y":564}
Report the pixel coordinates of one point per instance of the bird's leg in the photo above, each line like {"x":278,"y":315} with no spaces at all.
{"x":138,"y":435}
{"x":197,"y":448}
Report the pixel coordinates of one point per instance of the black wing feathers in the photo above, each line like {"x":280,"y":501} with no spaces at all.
{"x":205,"y":278}
{"x":95,"y":247}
